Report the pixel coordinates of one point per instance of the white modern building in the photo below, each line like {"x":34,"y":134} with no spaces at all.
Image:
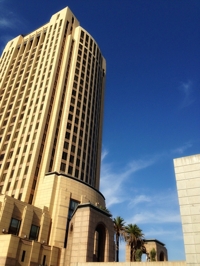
{"x":187,"y":171}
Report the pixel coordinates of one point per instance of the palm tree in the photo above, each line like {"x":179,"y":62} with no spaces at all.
{"x":119,"y":225}
{"x":134,"y":239}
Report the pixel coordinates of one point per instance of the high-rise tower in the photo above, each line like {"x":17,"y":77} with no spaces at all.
{"x":51,"y":110}
{"x":52,"y":88}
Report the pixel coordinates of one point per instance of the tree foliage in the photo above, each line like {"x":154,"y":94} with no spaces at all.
{"x":153,"y":254}
{"x":119,"y":226}
{"x":134,"y":238}
{"x":138,"y":255}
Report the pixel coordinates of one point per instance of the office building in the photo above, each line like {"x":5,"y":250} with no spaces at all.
{"x":187,"y":171}
{"x":51,"y":110}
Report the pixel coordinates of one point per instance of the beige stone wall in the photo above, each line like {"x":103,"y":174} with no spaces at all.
{"x":55,"y":192}
{"x":157,"y":263}
{"x":27,"y":214}
{"x":187,"y":171}
{"x":159,"y":249}
{"x":12,"y":248}
{"x":149,"y":246}
{"x":81,"y":238}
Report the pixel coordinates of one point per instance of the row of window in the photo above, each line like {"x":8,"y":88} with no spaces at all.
{"x":15,"y":227}
{"x":84,"y":112}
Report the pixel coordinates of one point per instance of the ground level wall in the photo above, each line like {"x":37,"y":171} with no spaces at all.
{"x":156,"y":263}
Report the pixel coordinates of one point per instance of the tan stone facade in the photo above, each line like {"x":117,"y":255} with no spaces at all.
{"x":187,"y":171}
{"x":161,"y":251}
{"x":157,"y":263}
{"x":59,"y":239}
{"x":51,"y":107}
{"x":51,"y":111}
{"x":19,"y":241}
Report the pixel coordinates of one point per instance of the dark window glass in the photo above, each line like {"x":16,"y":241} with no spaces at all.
{"x":76,"y":173}
{"x":34,"y":232}
{"x":64,"y":156}
{"x":23,"y":255}
{"x":73,"y":148}
{"x":74,"y":139}
{"x":70,"y":169}
{"x":72,"y":207}
{"x":66,"y":145}
{"x":70,"y":117}
{"x":14,"y":226}
{"x":62,"y":167}
{"x":69,"y":125}
{"x":44,"y":260}
{"x":71,"y":159}
{"x":67,"y":135}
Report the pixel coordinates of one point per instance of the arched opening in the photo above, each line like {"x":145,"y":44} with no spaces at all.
{"x":144,"y":257}
{"x":162,"y":256}
{"x":99,"y":243}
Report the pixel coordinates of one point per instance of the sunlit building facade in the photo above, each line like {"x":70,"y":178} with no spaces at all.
{"x":51,"y":109}
{"x":187,"y":172}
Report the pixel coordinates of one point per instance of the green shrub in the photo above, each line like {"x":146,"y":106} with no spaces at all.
{"x":138,"y":255}
{"x":153,"y":254}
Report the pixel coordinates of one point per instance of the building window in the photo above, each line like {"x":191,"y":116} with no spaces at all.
{"x":72,"y":206}
{"x":44,"y":260}
{"x":8,"y":186}
{"x":66,"y":145}
{"x":20,"y":196}
{"x":70,"y":169}
{"x":15,"y":185}
{"x":34,"y":232}
{"x":14,"y":226}
{"x":63,"y":167}
{"x":23,"y":255}
{"x":64,"y":156}
{"x":30,"y":199}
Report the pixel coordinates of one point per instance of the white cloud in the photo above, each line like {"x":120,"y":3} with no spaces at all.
{"x":155,"y":216}
{"x":139,"y":199}
{"x":104,"y":154}
{"x":8,"y":18}
{"x":4,"y":23}
{"x":186,"y":89}
{"x":155,"y":211}
{"x":182,"y":149}
{"x":112,"y":182}
{"x":159,"y":208}
{"x":163,"y":232}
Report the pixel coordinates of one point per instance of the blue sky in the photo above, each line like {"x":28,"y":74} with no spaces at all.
{"x":152,"y":100}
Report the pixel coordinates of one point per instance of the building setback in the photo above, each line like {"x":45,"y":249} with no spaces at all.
{"x":51,"y":109}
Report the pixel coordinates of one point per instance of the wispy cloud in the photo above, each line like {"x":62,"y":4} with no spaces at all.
{"x":182,"y":149}
{"x":11,"y":21}
{"x":8,"y":18}
{"x":155,"y":216}
{"x":155,"y":208}
{"x":112,"y":182}
{"x":186,"y":89}
{"x":5,"y":23}
{"x":155,"y":211}
{"x":104,"y":154}
{"x":139,"y":199}
{"x":163,"y":232}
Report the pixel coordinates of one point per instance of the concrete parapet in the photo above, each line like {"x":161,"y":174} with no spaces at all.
{"x":155,"y":263}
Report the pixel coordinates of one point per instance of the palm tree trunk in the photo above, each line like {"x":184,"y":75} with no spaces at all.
{"x":117,"y":248}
